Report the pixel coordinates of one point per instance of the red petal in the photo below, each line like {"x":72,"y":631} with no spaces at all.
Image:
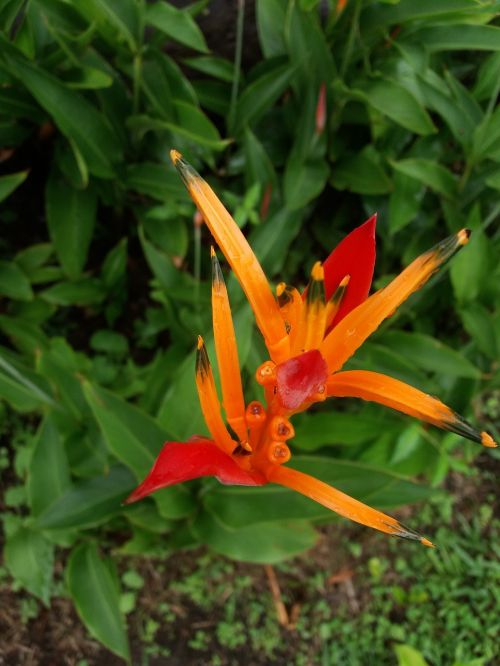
{"x":354,"y":256}
{"x":183,"y":461}
{"x":299,"y":378}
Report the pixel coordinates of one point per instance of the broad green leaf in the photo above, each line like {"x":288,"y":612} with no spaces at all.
{"x":430,"y":354}
{"x":77,"y":119}
{"x":13,"y":282}
{"x":460,"y":37}
{"x":156,"y":180}
{"x":48,"y":475}
{"x":270,"y":241}
{"x":10,"y":182}
{"x":304,"y":181}
{"x":260,"y":95}
{"x":375,"y":17}
{"x":30,"y":558}
{"x":361,"y":173}
{"x":176,"y":24}
{"x":87,"y":291}
{"x":133,"y":436}
{"x":486,"y":139}
{"x":265,"y":544}
{"x":88,"y":503}
{"x":314,"y":430}
{"x":191,"y":124}
{"x":487,"y":78}
{"x":271,"y":16}
{"x":136,"y":439}
{"x":258,"y":166}
{"x":24,"y":335}
{"x":404,"y":202}
{"x":470,"y":269}
{"x":237,"y":507}
{"x":96,"y":596}
{"x":122,"y":17}
{"x":114,"y":264}
{"x":408,"y":656}
{"x":71,"y":217}
{"x":430,"y":173}
{"x":20,"y":387}
{"x":393,"y":100}
{"x":109,"y":342}
{"x":307,"y":48}
{"x":218,"y":68}
{"x":33,"y":256}
{"x":478,"y":323}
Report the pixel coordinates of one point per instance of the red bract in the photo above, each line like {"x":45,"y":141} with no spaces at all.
{"x":184,"y":461}
{"x":353,"y":256}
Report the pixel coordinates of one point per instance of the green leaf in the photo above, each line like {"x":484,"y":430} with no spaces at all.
{"x":304,"y":181}
{"x":96,"y":596}
{"x":394,"y":101}
{"x":77,"y":119}
{"x":136,"y":439}
{"x":109,"y":342}
{"x":333,"y":428}
{"x":21,"y":387}
{"x":460,"y":37}
{"x":258,"y":166}
{"x":10,"y":182}
{"x":155,"y":180}
{"x":29,"y":557}
{"x":237,"y":507}
{"x":13,"y":282}
{"x":88,"y":503}
{"x":122,"y":17}
{"x":266,"y":544}
{"x":478,"y":323}
{"x":71,"y":217}
{"x":361,"y":173}
{"x":48,"y":475}
{"x":271,"y":15}
{"x":88,"y":291}
{"x":430,"y":173}
{"x":404,"y":202}
{"x":470,"y":270}
{"x":218,"y":68}
{"x":261,"y":94}
{"x":191,"y":124}
{"x":377,"y":16}
{"x":486,"y":139}
{"x":176,"y":24}
{"x":408,"y":656}
{"x":430,"y":354}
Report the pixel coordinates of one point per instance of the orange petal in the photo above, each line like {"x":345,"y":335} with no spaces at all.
{"x":209,"y":401}
{"x":340,"y":502}
{"x":290,"y":304}
{"x":241,"y":258}
{"x":227,"y":354}
{"x":393,"y":393}
{"x":313,"y":317}
{"x":350,"y":333}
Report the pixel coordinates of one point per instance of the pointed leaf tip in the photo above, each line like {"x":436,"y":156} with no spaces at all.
{"x":353,"y":256}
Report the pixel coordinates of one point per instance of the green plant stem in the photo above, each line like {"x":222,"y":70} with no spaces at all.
{"x":240,"y":22}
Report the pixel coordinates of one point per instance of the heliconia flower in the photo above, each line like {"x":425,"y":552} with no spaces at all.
{"x":309,"y":337}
